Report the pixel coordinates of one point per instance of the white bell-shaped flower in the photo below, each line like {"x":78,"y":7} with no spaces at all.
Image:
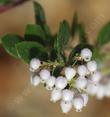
{"x":61,"y":82}
{"x":56,"y":95}
{"x":96,"y":77}
{"x":34,"y":64}
{"x":69,"y":73}
{"x":67,"y":95}
{"x":86,"y":54}
{"x":85,"y":98}
{"x":91,"y":89}
{"x":50,"y":83}
{"x":82,"y":70}
{"x":35,"y":80}
{"x":92,"y":66}
{"x":44,"y":75}
{"x":81,"y":83}
{"x":66,"y":106}
{"x":78,"y":103}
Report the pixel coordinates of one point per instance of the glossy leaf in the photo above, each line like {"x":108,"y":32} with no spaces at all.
{"x":9,"y":41}
{"x":48,"y":34}
{"x":62,"y":39}
{"x":104,"y":35}
{"x":39,"y":14}
{"x":28,"y":50}
{"x":41,"y":20}
{"x":34,"y":32}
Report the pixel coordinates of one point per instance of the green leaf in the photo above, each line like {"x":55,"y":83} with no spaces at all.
{"x":39,"y":14}
{"x":28,"y":50}
{"x":62,"y":39}
{"x":56,"y":72}
{"x":77,"y":50}
{"x":49,"y":37}
{"x":9,"y":41}
{"x":41,"y":20}
{"x":74,"y":24}
{"x":97,"y":56}
{"x":3,"y":2}
{"x":78,"y":28}
{"x":34,"y":32}
{"x":82,"y":34}
{"x":53,"y":55}
{"x":104,"y":35}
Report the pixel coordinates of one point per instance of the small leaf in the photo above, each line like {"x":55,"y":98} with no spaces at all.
{"x":48,"y":34}
{"x":39,"y":14}
{"x":62,"y":40}
{"x":9,"y":41}
{"x":41,"y":20}
{"x":74,"y":24}
{"x":104,"y":35}
{"x":82,"y":34}
{"x":77,"y":50}
{"x":78,"y":28}
{"x":28,"y":50}
{"x":34,"y":32}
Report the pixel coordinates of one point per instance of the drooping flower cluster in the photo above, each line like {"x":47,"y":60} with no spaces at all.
{"x":101,"y":89}
{"x":73,"y":84}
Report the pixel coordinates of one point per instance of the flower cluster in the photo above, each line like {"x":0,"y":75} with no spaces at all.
{"x":73,"y":84}
{"x":102,"y":88}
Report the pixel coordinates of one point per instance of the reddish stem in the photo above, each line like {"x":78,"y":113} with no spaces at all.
{"x":11,"y":5}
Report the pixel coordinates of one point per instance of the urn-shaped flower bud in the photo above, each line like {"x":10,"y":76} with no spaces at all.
{"x":50,"y":83}
{"x":56,"y":95}
{"x":67,"y":95}
{"x":35,"y":80}
{"x":66,"y":106}
{"x":92,"y":66}
{"x":96,"y":77}
{"x":82,"y":70}
{"x":86,"y":54}
{"x":78,"y":103}
{"x":85,"y":98}
{"x":81,"y":83}
{"x":45,"y":75}
{"x":61,"y":82}
{"x":34,"y":64}
{"x":69,"y":73}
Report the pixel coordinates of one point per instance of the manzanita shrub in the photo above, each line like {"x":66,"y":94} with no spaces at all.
{"x":71,"y":76}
